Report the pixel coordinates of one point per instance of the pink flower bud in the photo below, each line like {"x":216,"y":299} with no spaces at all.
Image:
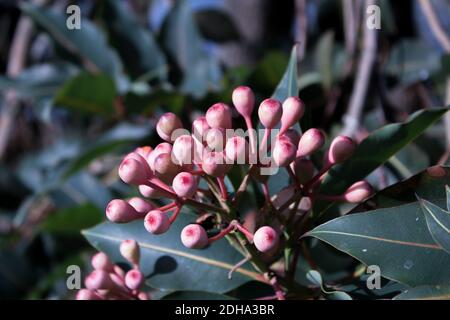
{"x":237,"y":149}
{"x":164,"y":167}
{"x":159,"y":149}
{"x":219,"y":116}
{"x":341,"y":149}
{"x":119,"y":271}
{"x":149,"y":192}
{"x":86,"y":294}
{"x":140,"y":205}
{"x":216,"y":139}
{"x":134,"y":279}
{"x":120,"y":211}
{"x":269,"y":113}
{"x":311,"y":141}
{"x":134,"y":170}
{"x":303,"y":169}
{"x":243,"y":100}
{"x":185,"y":185}
{"x":99,"y":279}
{"x":283,"y":152}
{"x":143,"y":296}
{"x":293,"y":109}
{"x":167,"y":124}
{"x":101,"y":261}
{"x":129,"y":249}
{"x":156,"y":222}
{"x":144,"y":152}
{"x":194,"y":236}
{"x":214,"y":164}
{"x":292,"y":135}
{"x":265,"y":239}
{"x":199,"y":128}
{"x":183,"y":150}
{"x":358,"y":192}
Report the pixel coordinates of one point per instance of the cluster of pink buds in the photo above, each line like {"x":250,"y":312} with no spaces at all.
{"x":173,"y":169}
{"x":110,"y":282}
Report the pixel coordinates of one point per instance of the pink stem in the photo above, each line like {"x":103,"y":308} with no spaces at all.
{"x":222,"y":233}
{"x":317,"y":178}
{"x":168,"y":206}
{"x":223,"y":188}
{"x":247,"y":233}
{"x":266,"y":192}
{"x":293,"y":176}
{"x":264,"y":140}
{"x":175,"y":214}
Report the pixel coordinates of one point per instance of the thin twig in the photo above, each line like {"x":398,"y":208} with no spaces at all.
{"x":357,"y":99}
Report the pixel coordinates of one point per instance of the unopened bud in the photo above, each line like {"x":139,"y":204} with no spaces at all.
{"x":216,"y":139}
{"x":120,"y":211}
{"x":265,"y":239}
{"x":134,"y":279}
{"x":183,"y":150}
{"x":244,"y":100}
{"x":292,"y":135}
{"x":159,"y":149}
{"x":341,"y":149}
{"x":164,"y":167}
{"x":101,"y":261}
{"x":140,"y":205}
{"x":199,"y":128}
{"x":358,"y":192}
{"x":185,"y":185}
{"x":269,"y":113}
{"x":194,"y":236}
{"x":237,"y":149}
{"x":149,"y":192}
{"x":156,"y":222}
{"x":129,"y":249}
{"x":310,"y":142}
{"x":283,"y":152}
{"x":219,"y":116}
{"x":86,"y":294}
{"x":293,"y":110}
{"x":134,"y":169}
{"x":214,"y":164}
{"x":167,"y":124}
{"x":99,"y":279}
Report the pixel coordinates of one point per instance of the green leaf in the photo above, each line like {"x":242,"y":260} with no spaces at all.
{"x":88,"y":93}
{"x":136,"y":44}
{"x":87,"y":43}
{"x":39,"y":80}
{"x":167,"y":264}
{"x":196,"y":295}
{"x":314,"y":277}
{"x":426,"y":293}
{"x":183,"y":41}
{"x":429,"y":184}
{"x":324,"y":56}
{"x":396,"y":239}
{"x":216,"y":25}
{"x":412,"y":61}
{"x":73,"y":220}
{"x":377,"y":148}
{"x":438,"y":221}
{"x":447,"y":189}
{"x":288,"y":86}
{"x":122,"y":134}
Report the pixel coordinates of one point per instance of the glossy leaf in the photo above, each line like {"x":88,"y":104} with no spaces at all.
{"x":77,"y":41}
{"x":183,"y":41}
{"x":428,"y":184}
{"x":426,"y":293}
{"x":216,"y":25}
{"x":396,"y":239}
{"x":438,"y":221}
{"x":377,"y":148}
{"x":288,"y":86}
{"x":167,"y":264}
{"x":88,"y":93}
{"x":73,"y":220}
{"x":136,"y":44}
